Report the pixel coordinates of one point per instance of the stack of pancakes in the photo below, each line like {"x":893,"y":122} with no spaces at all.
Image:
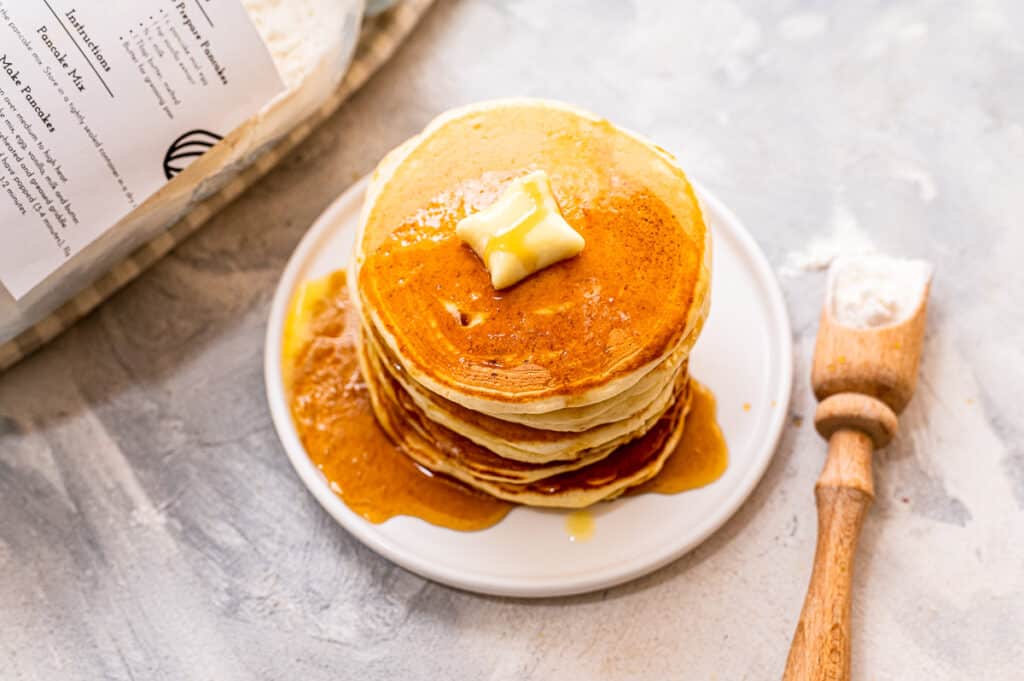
{"x":571,"y":386}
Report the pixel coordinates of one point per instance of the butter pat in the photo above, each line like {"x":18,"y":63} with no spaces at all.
{"x":520,"y":233}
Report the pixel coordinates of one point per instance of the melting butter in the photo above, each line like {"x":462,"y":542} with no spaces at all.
{"x":520,"y":233}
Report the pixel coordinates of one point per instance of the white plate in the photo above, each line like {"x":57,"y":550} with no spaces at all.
{"x":744,"y":355}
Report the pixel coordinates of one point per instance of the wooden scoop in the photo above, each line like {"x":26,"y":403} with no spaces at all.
{"x":863,"y":379}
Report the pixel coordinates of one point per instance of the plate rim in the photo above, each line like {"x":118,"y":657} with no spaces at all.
{"x":618,"y":573}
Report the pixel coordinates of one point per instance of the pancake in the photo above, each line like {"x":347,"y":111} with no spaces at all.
{"x":651,"y":387}
{"x":574,"y":335}
{"x":450,"y":451}
{"x":515,"y":440}
{"x":573,"y":484}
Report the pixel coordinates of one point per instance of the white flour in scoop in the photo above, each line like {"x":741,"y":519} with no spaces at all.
{"x":868,"y":291}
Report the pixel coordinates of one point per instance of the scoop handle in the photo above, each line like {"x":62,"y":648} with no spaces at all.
{"x":821,"y":644}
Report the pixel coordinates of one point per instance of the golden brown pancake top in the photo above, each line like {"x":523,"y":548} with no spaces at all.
{"x":618,"y":306}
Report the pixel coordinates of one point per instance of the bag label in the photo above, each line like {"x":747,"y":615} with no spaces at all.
{"x":102,"y":103}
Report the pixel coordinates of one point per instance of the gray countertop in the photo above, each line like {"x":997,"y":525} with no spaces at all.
{"x":152,"y":528}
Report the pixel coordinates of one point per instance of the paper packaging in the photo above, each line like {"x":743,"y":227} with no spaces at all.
{"x":101,"y":104}
{"x":310,"y":41}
